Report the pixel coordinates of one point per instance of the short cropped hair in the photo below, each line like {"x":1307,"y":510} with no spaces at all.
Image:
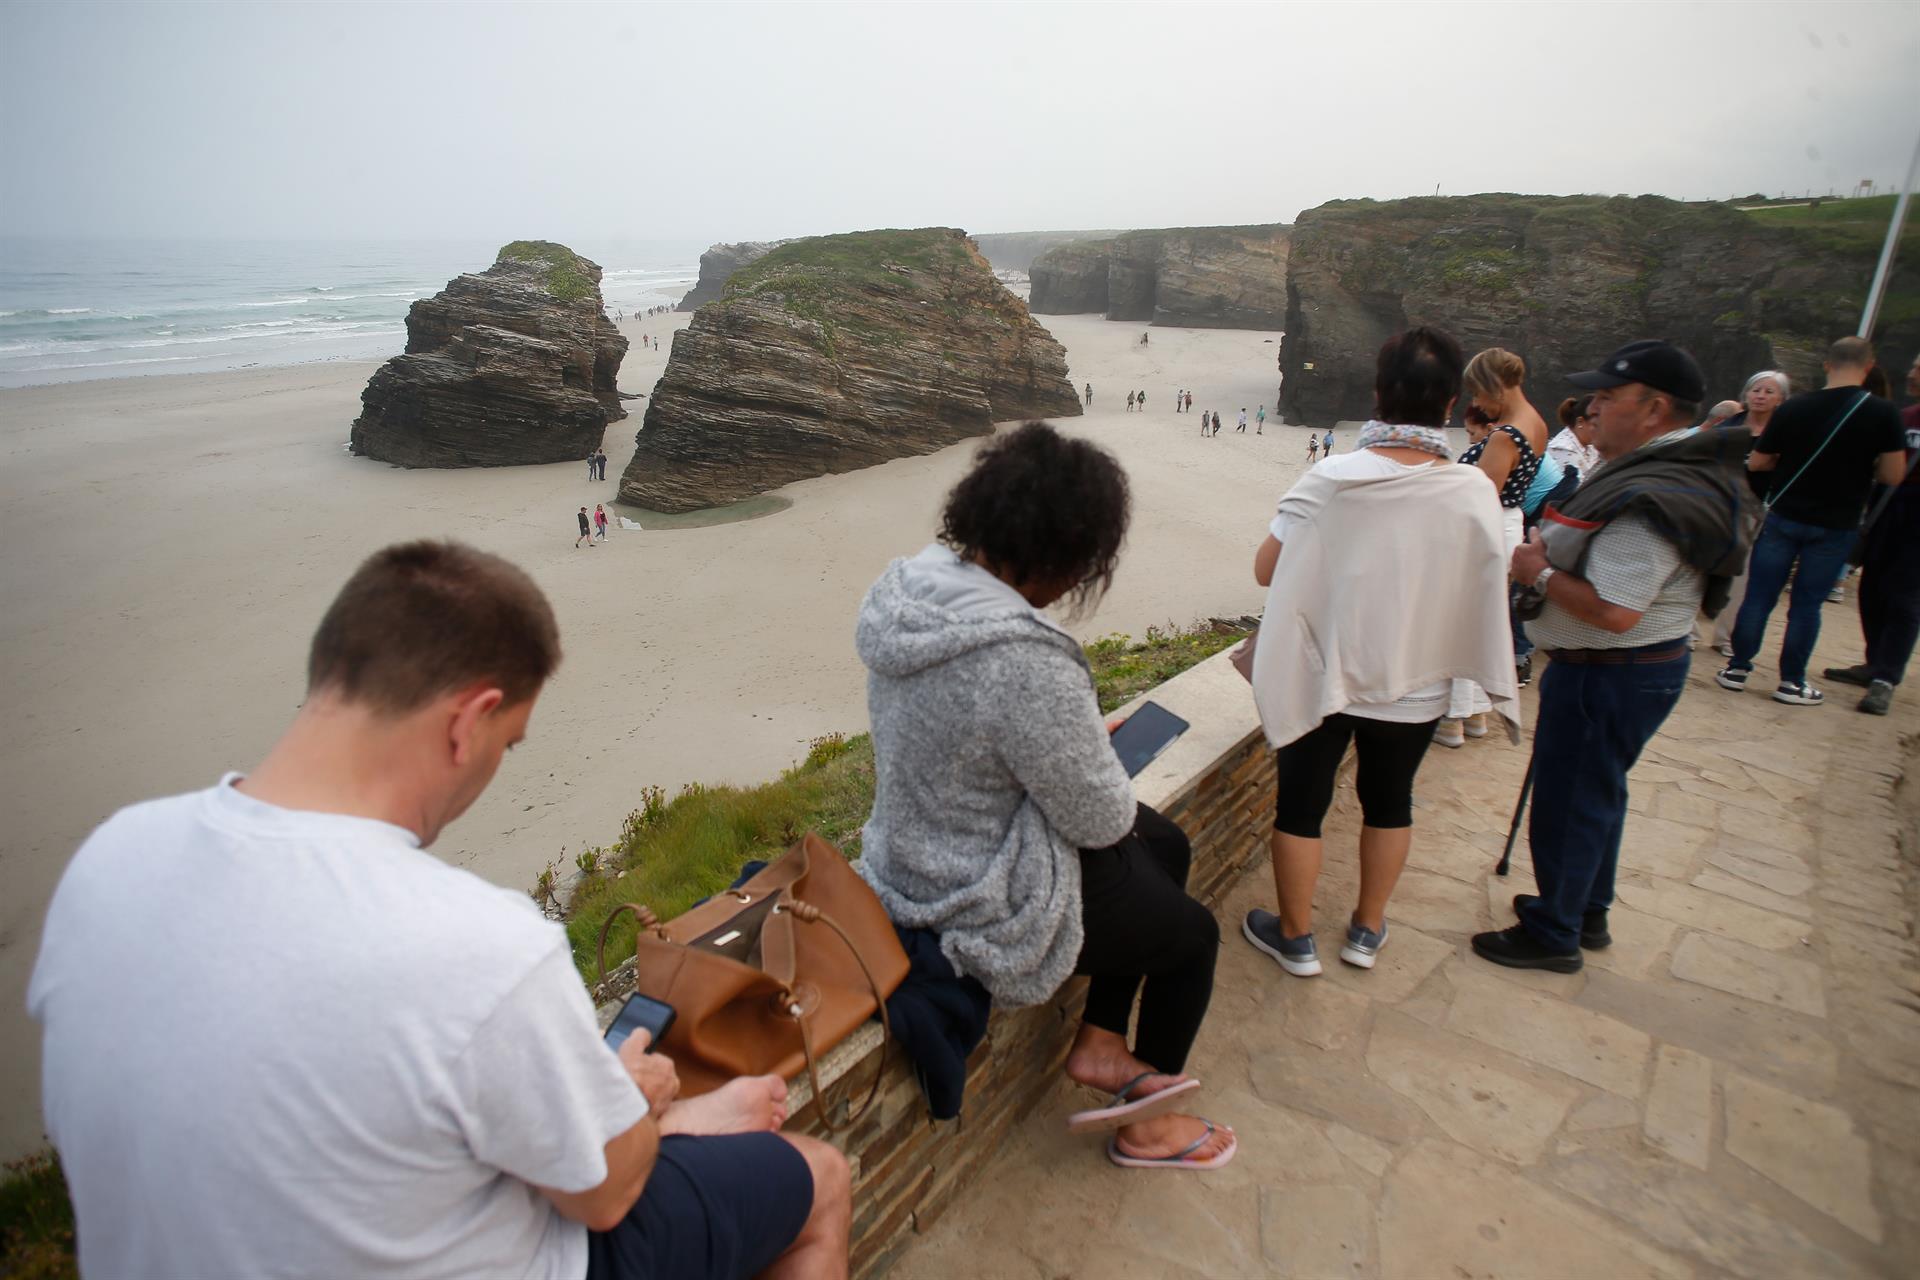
{"x":1851,"y":353}
{"x":1416,"y":376}
{"x":1494,"y":372}
{"x":421,"y":619}
{"x":1042,"y":509}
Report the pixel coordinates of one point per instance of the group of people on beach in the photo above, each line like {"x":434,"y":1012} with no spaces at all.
{"x":438,"y":1097}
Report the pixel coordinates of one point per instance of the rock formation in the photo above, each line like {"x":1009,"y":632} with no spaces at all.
{"x":513,"y":365}
{"x":1564,"y":280}
{"x":1016,"y":250}
{"x":717,"y":266}
{"x":1195,"y":277}
{"x":839,"y":352}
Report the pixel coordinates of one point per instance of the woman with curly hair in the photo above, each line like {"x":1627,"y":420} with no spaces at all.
{"x":1002,"y":819}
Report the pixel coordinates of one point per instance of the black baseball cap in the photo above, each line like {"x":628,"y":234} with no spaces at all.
{"x":1651,"y":361}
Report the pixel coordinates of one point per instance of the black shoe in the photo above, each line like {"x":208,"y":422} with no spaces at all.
{"x":1516,"y":949}
{"x":1593,"y":924}
{"x":1861,"y":675}
{"x":1523,"y":668}
{"x":1879,"y":699}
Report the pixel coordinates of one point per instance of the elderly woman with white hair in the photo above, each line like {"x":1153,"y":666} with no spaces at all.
{"x":1763,"y":393}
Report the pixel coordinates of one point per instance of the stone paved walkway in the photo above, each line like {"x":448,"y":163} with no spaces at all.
{"x":1732,"y":1090}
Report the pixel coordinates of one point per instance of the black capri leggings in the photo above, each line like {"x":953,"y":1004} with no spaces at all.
{"x":1143,"y":929}
{"x":1390,"y":755}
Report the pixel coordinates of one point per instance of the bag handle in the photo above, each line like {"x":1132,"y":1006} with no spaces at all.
{"x":1775,"y":497}
{"x":644,"y":915}
{"x":806,"y":911}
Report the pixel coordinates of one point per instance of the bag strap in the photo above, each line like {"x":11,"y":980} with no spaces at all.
{"x":810,"y":914}
{"x":644,"y":915}
{"x":1782,"y":492}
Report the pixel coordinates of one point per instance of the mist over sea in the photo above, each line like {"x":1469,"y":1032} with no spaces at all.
{"x":79,"y":309}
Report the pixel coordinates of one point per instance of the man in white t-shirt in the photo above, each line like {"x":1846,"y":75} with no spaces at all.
{"x":282,"y":1039}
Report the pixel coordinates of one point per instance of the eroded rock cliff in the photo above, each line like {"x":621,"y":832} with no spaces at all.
{"x":717,"y":266}
{"x":1564,"y":280}
{"x":1195,"y":277}
{"x":839,"y":352}
{"x":511,"y":365}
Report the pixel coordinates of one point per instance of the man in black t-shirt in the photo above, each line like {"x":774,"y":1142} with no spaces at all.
{"x":1815,"y":465}
{"x":1890,"y":578}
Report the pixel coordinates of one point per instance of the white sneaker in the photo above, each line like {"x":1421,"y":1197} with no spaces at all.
{"x":1450,"y":732}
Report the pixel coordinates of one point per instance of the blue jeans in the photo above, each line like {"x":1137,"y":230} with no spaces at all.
{"x":1593,"y":721}
{"x":1822,"y":554}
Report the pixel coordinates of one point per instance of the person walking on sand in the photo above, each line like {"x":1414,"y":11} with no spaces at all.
{"x":593,"y":464}
{"x":1203,"y":424}
{"x":1143,"y":402}
{"x":586,"y":531}
{"x":599,"y":522}
{"x":1326,"y":445}
{"x":1313,"y":449}
{"x":1176,"y":399}
{"x":1242,"y":428}
{"x":1089,"y":395}
{"x":1216,"y":422}
{"x":1189,"y":402}
{"x":1260,"y":421}
{"x":1129,"y":402}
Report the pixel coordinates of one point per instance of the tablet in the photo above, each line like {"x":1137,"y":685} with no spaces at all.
{"x":1146,"y":733}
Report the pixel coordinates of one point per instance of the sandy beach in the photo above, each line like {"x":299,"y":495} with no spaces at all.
{"x":172,"y":542}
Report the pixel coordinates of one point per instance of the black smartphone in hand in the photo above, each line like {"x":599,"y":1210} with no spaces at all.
{"x":640,"y":1011}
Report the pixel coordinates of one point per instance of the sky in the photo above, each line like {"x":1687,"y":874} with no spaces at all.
{"x":721,"y":121}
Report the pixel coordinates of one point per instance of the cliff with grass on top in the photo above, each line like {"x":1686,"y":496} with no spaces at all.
{"x":838,"y":352}
{"x":511,"y":365}
{"x":1562,"y":281}
{"x":1194,"y":277}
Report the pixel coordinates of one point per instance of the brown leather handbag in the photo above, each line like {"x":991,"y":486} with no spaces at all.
{"x":766,"y":977}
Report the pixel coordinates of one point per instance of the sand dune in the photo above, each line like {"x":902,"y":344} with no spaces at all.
{"x":171,"y":542}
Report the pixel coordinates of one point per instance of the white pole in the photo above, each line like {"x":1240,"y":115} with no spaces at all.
{"x":1880,"y":274}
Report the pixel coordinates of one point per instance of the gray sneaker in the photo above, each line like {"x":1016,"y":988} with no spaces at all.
{"x":1296,"y":955}
{"x":1879,"y":699}
{"x":1363,"y":944}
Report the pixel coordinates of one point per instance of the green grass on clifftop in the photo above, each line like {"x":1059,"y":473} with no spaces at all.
{"x":565,"y":280}
{"x":674,"y":852}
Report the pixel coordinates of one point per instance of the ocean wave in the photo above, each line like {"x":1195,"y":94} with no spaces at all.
{"x":69,"y":311}
{"x":277,"y":302}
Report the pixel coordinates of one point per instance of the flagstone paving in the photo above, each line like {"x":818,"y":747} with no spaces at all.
{"x":1733,"y":1089}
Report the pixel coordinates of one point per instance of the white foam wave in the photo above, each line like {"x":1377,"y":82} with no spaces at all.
{"x":69,"y":311}
{"x":278,"y":302}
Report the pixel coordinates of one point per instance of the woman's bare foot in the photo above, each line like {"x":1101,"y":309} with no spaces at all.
{"x":1169,"y":1136}
{"x":1100,"y":1060}
{"x":751,"y":1104}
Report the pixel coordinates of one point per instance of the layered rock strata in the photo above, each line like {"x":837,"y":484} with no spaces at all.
{"x":1193,"y":277}
{"x":838,"y":352}
{"x":1562,"y":281}
{"x":512,"y":365}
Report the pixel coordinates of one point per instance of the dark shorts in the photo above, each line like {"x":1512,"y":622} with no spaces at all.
{"x":722,"y":1208}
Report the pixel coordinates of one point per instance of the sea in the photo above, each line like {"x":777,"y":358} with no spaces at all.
{"x":80,"y":309}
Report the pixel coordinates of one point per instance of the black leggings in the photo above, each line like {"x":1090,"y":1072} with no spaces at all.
{"x":1140,"y":924}
{"x":1390,"y":755}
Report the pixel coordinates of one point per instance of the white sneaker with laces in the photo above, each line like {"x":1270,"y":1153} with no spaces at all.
{"x":1799,"y":695}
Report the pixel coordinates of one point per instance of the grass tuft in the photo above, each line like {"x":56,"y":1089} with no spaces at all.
{"x":565,"y":280}
{"x":36,"y":1221}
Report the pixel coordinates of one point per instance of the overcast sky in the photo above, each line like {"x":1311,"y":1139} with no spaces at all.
{"x":728,"y":121}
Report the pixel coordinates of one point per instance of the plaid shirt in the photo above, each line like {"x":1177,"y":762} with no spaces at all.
{"x":1631,"y":566}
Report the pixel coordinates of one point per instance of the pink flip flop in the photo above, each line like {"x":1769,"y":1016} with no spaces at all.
{"x":1119,"y":1111}
{"x":1179,"y":1159}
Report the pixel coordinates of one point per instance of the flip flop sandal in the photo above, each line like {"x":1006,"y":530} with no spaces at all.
{"x":1119,"y":1111}
{"x":1179,"y":1159}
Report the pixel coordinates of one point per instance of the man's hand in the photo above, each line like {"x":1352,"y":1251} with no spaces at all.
{"x":653,"y":1073}
{"x":1529,"y":558}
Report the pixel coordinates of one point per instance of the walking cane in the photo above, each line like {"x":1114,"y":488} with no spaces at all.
{"x":1513,"y":832}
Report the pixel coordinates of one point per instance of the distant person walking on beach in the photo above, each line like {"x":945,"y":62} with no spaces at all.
{"x":1177,"y":396}
{"x":1260,"y":421}
{"x":1143,"y":402}
{"x":1204,"y":424}
{"x":1216,"y":422}
{"x":593,"y":463}
{"x":1129,"y":402}
{"x":586,"y":531}
{"x":1242,"y":428}
{"x":1313,"y":448}
{"x":1089,"y":395}
{"x":599,"y":522}
{"x":1326,"y":446}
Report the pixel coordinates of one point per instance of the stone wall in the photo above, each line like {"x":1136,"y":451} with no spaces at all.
{"x":1217,"y":781}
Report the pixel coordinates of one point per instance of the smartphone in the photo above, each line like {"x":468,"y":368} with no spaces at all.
{"x":640,"y":1011}
{"x":1146,"y":733}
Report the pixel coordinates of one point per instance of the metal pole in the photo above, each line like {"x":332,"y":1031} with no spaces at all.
{"x":1880,"y":274}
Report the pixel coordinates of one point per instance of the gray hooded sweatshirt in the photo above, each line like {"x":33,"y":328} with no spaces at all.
{"x":994,"y":771}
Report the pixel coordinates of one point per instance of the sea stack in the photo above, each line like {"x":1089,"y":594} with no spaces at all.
{"x":1189,"y":277}
{"x":513,"y":365}
{"x":838,"y":352}
{"x":717,"y":266}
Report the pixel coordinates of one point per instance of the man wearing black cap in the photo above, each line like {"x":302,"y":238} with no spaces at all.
{"x":1821,"y":452}
{"x":1614,"y":581}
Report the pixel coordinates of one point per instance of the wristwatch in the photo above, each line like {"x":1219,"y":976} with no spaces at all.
{"x":1546,"y":576}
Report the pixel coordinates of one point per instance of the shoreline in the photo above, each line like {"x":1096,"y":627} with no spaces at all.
{"x":173,"y":540}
